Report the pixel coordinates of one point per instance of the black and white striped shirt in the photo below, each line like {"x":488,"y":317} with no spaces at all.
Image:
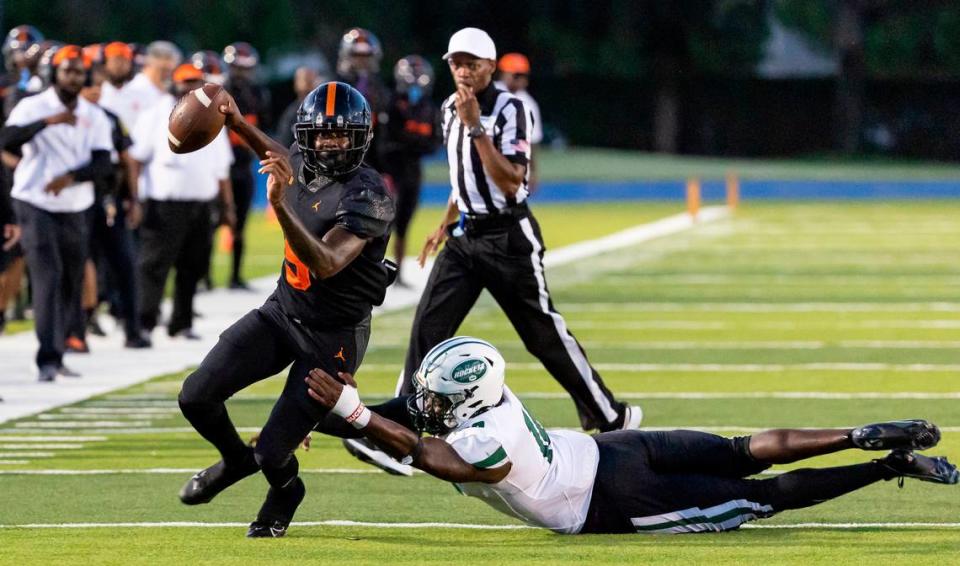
{"x":503,"y":116}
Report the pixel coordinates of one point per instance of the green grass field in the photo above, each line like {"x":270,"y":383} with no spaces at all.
{"x":783,"y":316}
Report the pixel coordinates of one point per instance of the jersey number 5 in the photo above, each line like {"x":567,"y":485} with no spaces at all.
{"x":539,"y":434}
{"x":295,"y":272}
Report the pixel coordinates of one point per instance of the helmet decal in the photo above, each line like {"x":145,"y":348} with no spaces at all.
{"x":469,"y":371}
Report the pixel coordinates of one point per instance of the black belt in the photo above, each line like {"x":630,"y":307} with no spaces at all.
{"x":495,"y":222}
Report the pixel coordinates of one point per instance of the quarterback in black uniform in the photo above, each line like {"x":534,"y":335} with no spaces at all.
{"x":335,"y":214}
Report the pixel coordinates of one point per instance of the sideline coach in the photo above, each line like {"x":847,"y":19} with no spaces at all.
{"x":494,"y":240}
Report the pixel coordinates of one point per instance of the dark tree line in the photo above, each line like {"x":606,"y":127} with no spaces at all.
{"x":667,"y":43}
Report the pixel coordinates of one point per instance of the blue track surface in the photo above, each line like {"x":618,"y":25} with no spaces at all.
{"x":579,"y":191}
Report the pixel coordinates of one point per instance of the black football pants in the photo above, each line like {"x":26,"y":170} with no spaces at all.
{"x":260,"y":345}
{"x":686,"y":481}
{"x":174,"y":235}
{"x":509,"y":264}
{"x":55,"y":245}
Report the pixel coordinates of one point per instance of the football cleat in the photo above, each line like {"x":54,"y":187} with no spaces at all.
{"x":909,"y":435}
{"x":365,"y":451}
{"x":632,"y":417}
{"x":277,"y":510}
{"x":906,"y":464}
{"x":206,"y":484}
{"x":272,"y":529}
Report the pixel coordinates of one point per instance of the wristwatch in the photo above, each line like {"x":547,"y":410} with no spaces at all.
{"x":476,"y":131}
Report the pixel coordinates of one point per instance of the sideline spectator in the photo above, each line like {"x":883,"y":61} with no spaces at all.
{"x":65,"y":142}
{"x":176,"y":230}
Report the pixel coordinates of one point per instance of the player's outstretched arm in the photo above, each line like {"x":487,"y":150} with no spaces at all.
{"x":432,"y":455}
{"x":258,"y":141}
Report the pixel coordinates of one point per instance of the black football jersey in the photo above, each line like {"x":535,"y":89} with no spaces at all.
{"x":358,"y":202}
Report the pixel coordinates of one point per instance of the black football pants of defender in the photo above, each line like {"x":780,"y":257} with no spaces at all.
{"x":56,"y":246}
{"x":111,"y":249}
{"x":174,"y":234}
{"x":260,"y":345}
{"x":509,"y":264}
{"x":241,"y":178}
{"x":686,"y":481}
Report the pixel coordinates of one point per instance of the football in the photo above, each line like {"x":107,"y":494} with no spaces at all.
{"x":196,"y":119}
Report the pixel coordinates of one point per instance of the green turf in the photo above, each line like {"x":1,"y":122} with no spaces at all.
{"x":796,"y":297}
{"x":594,"y":164}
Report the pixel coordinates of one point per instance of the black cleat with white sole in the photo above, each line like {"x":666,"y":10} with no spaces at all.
{"x":906,"y":464}
{"x":908,"y":435}
{"x":277,"y":511}
{"x":208,"y":483}
{"x":366,"y":451}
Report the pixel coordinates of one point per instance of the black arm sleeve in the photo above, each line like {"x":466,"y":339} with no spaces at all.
{"x":12,"y":137}
{"x":98,"y":167}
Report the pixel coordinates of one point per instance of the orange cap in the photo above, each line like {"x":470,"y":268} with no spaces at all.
{"x":187,"y":72}
{"x":117,"y":49}
{"x":71,"y":52}
{"x":515,"y":63}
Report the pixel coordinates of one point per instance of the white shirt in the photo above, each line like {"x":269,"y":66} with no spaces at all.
{"x":551,"y":479}
{"x":130,"y":100}
{"x":166,"y":175}
{"x":533,"y":112}
{"x":57,"y":149}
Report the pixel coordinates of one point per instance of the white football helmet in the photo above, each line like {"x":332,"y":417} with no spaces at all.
{"x":459,"y":378}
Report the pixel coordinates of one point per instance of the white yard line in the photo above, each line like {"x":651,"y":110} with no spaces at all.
{"x":772,"y":345}
{"x":112,"y":367}
{"x":26,"y":454}
{"x":31,"y":446}
{"x":710,"y":368}
{"x":24,"y":438}
{"x":758,"y":395}
{"x":705,"y":428}
{"x":171,"y":471}
{"x":760,"y":307}
{"x":440,"y":525}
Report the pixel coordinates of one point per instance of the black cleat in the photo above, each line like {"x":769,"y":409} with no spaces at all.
{"x":908,"y":435}
{"x":206,"y":484}
{"x":365,"y":451}
{"x":277,"y":510}
{"x":906,"y":464}
{"x":273,"y":529}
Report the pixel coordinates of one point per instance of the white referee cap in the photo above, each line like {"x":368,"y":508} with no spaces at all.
{"x":474,"y":41}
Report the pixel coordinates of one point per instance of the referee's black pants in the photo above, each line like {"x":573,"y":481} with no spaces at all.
{"x":508,"y":262}
{"x":55,"y":245}
{"x":174,"y":234}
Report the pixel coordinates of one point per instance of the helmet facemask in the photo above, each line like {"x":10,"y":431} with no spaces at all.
{"x":435,"y":413}
{"x":332,"y":161}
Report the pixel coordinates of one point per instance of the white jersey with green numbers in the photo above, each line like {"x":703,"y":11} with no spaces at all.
{"x":551,"y":479}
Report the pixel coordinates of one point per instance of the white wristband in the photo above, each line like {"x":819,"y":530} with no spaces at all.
{"x":350,"y":408}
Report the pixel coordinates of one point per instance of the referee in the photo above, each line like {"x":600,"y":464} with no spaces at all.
{"x":493,"y":240}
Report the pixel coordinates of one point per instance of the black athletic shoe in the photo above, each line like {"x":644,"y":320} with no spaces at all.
{"x":910,"y":435}
{"x":277,"y":511}
{"x":906,"y":464}
{"x":206,"y":484}
{"x":365,"y":451}
{"x":273,"y":529}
